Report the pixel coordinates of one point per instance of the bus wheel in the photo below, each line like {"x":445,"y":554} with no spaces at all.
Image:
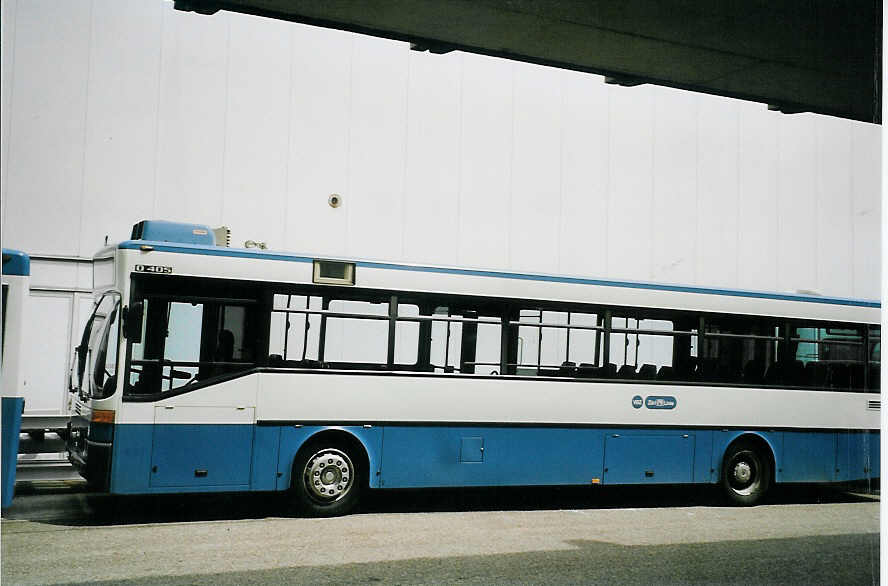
{"x":325,"y":480}
{"x":746,"y":474}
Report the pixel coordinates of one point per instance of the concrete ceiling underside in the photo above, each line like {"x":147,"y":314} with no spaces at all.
{"x":820,"y":56}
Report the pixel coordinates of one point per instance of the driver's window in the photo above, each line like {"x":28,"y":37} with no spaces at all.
{"x":184,"y":343}
{"x":168,"y":354}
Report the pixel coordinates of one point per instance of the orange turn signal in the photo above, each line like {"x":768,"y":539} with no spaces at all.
{"x":102,"y":416}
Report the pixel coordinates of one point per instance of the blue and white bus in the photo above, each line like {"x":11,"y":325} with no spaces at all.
{"x":15,"y":276}
{"x":207,"y":368}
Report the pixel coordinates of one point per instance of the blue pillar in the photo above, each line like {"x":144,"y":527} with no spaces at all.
{"x":9,"y":440}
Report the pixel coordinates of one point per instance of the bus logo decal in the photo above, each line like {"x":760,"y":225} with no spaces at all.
{"x":659,"y":402}
{"x":637,"y":401}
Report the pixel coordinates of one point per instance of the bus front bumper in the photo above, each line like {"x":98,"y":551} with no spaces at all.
{"x":91,"y":459}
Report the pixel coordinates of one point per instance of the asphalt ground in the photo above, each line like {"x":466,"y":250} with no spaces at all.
{"x":54,"y":533}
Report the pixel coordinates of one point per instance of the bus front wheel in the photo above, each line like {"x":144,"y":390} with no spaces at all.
{"x":746,"y":474}
{"x":326,"y":481}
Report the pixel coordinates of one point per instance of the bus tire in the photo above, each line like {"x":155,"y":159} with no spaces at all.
{"x":746,"y":473}
{"x":326,"y":480}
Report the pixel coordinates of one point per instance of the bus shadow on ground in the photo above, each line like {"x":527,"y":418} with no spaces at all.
{"x":90,"y":509}
{"x":610,"y":497}
{"x":832,"y":559}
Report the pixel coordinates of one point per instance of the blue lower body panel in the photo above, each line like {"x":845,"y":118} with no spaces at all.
{"x":830,"y":457}
{"x":808,"y":457}
{"x":414,"y":457}
{"x":857,"y":456}
{"x":649,"y":458}
{"x":206,"y":458}
{"x":193,"y":458}
{"x":9,"y":428}
{"x":201,"y":456}
{"x":490,"y":456}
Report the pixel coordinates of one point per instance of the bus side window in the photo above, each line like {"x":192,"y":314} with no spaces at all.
{"x":189,"y":342}
{"x":742,"y":351}
{"x":5,"y":294}
{"x":643,"y":348}
{"x":557,"y":343}
{"x":357,"y":341}
{"x":144,"y":373}
{"x":831,"y":357}
{"x":446,"y":341}
{"x":407,"y":334}
{"x":487,"y":349}
{"x":172,"y":333}
{"x":462,"y":340}
{"x":294,"y":337}
{"x":182,"y":342}
{"x":874,"y":365}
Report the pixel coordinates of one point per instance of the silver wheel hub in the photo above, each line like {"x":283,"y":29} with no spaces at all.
{"x":745,"y":473}
{"x":742,"y":472}
{"x":328,"y":475}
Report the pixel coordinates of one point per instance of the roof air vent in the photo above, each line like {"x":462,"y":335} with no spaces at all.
{"x":163,"y":231}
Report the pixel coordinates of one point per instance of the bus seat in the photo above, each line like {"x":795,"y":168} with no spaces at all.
{"x":875,"y":371}
{"x":726,"y":373}
{"x":587,"y":370}
{"x":855,"y":375}
{"x":815,"y":374}
{"x":626,"y":371}
{"x":308,"y":363}
{"x":794,"y":373}
{"x":774,"y":374}
{"x":666,"y":373}
{"x":754,"y":372}
{"x":707,"y":370}
{"x":839,"y":376}
{"x":647,"y":372}
{"x":568,"y":368}
{"x":682,"y":371}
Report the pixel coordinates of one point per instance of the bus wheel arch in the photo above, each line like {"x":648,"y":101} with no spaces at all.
{"x":330,"y":471}
{"x":747,"y":471}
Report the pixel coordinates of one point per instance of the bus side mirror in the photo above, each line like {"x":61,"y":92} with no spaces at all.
{"x":133,"y":322}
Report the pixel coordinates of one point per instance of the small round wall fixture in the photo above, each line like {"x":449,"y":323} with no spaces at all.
{"x":335,"y":200}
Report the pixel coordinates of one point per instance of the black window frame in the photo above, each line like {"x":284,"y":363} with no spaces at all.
{"x":181,"y":289}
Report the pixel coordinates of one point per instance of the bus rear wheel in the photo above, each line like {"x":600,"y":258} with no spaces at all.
{"x":746,"y":474}
{"x":326,"y":481}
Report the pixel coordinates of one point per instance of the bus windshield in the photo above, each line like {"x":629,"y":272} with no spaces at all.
{"x":93,"y":353}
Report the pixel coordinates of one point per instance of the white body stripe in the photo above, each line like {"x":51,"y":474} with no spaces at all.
{"x":369,"y":398}
{"x":203,"y":414}
{"x":201,"y":404}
